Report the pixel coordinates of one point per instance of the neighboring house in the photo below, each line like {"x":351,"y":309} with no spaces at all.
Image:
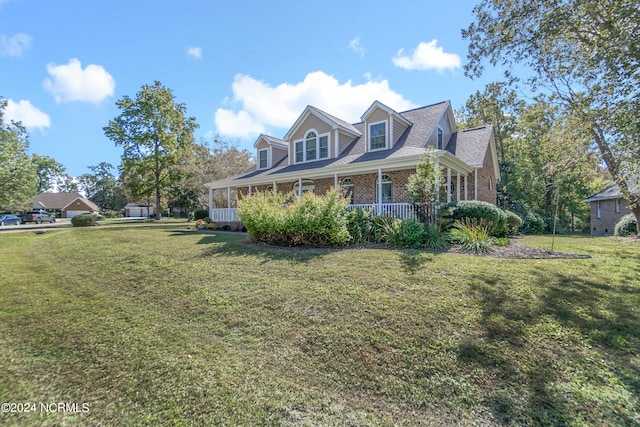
{"x":371,"y":160}
{"x":607,"y":207}
{"x":64,"y":205}
{"x":138,"y":210}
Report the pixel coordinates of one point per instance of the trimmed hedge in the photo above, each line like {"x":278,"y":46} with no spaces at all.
{"x":514,"y":222}
{"x":84,"y":220}
{"x":492,"y":216}
{"x":627,"y":226}
{"x":533,"y":224}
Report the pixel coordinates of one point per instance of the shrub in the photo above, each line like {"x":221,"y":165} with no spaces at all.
{"x":359,"y":225}
{"x":84,"y":220}
{"x":472,"y":234}
{"x":494,"y":218}
{"x":533,"y":224}
{"x":200,"y":214}
{"x":434,"y":238}
{"x":286,"y":220}
{"x":408,"y":233}
{"x":109,"y":214}
{"x":514,"y":222}
{"x":627,"y":226}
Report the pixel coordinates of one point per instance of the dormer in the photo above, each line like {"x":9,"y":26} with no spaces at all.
{"x":317,"y":135}
{"x":444,"y":128}
{"x":383,"y":127}
{"x":269,"y":151}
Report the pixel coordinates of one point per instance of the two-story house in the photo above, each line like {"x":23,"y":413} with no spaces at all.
{"x":371,"y":160}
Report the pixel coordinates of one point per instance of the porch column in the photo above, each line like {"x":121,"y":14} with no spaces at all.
{"x":379,"y":191}
{"x":448,"y":185}
{"x":299,"y":187}
{"x":228,"y":203}
{"x":437,"y":183}
{"x":335,"y":181}
{"x":466,"y":188}
{"x":210,"y":202}
{"x":274,"y":187}
{"x":475,"y":184}
{"x":458,"y":188}
{"x":250,"y":190}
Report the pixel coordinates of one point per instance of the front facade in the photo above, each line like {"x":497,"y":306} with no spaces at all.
{"x":607,"y":208}
{"x":370,"y":160}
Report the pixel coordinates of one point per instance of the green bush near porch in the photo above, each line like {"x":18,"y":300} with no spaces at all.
{"x":288,"y":220}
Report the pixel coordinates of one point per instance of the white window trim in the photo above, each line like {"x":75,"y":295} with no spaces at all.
{"x":304,"y":147}
{"x":618,"y":209}
{"x":386,"y":136}
{"x":439,"y":144}
{"x":267,"y":165}
{"x":599,"y":212}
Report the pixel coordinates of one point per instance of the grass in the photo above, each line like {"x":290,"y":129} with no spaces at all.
{"x":153,"y":326}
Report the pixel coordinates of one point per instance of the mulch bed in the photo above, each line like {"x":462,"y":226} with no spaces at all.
{"x":516,"y":251}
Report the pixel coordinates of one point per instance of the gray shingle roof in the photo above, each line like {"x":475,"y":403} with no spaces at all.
{"x":61,"y":200}
{"x":613,"y":192}
{"x":470,"y":145}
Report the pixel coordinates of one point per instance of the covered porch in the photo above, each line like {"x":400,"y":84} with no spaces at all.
{"x":376,"y":188}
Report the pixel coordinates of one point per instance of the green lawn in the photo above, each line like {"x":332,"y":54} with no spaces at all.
{"x":154,"y":326}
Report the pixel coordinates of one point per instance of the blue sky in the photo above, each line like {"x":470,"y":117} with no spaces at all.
{"x":241,"y":67}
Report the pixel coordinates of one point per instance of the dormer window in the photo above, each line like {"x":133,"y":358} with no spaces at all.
{"x":262,"y":159}
{"x":312,"y":147}
{"x":440,"y":139}
{"x":377,"y":136}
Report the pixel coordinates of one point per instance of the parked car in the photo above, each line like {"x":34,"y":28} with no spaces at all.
{"x":38,"y":217}
{"x":9,"y":220}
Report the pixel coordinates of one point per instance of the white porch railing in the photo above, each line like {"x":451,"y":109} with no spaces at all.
{"x":396,"y":210}
{"x":223,"y":214}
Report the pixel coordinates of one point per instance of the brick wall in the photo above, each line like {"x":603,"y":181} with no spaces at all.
{"x":606,"y":223}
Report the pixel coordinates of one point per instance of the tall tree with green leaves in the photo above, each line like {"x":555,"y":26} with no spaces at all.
{"x":102,"y":187}
{"x":585,"y":54}
{"x":155,"y":132}
{"x":554,"y":168}
{"x":48,"y":170}
{"x":211,"y":160}
{"x":498,"y":105}
{"x":18,"y":179}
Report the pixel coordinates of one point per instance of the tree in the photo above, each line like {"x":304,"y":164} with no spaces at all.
{"x":500,"y":107}
{"x":154,"y":132}
{"x":211,"y":160}
{"x":585,"y":54}
{"x":102,"y":187}
{"x":551,"y":172}
{"x":48,"y":170}
{"x":67,"y":183}
{"x":18,"y":181}
{"x":421,"y":187}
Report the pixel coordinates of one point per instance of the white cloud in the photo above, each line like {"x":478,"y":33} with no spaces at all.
{"x":354,"y":45}
{"x":23,"y":111}
{"x":194,"y":52}
{"x":71,"y":82}
{"x":427,"y":56}
{"x":264,"y":107}
{"x":14,"y":45}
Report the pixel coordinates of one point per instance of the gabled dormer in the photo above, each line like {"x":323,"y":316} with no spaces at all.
{"x":383,"y":127}
{"x":444,"y":128}
{"x":269,"y":151}
{"x":317,"y":135}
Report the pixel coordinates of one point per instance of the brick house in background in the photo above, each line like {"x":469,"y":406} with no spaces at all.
{"x":64,"y":205}
{"x":371,"y":160}
{"x":607,"y":208}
